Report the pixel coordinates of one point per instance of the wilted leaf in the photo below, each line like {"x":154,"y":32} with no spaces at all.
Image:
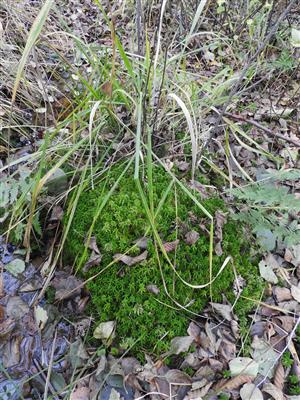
{"x":295,"y":37}
{"x":265,"y":356}
{"x":279,"y":377}
{"x":93,"y":261}
{"x":266,"y":239}
{"x":250,"y":392}
{"x":16,"y":308}
{"x":92,"y":245}
{"x":243,"y":366}
{"x":176,"y":376}
{"x":2,"y":291}
{"x":286,"y":323}
{"x":292,"y":255}
{"x":191,"y":237}
{"x":66,"y":286}
{"x":194,"y":330}
{"x":106,"y":88}
{"x":202,"y":189}
{"x":273,"y":391}
{"x":142,"y":243}
{"x":180,"y":344}
{"x":41,"y":316}
{"x":183,"y":166}
{"x":35,"y":283}
{"x":220,"y":221}
{"x":227,"y":349}
{"x":295,"y":291}
{"x":225,"y":310}
{"x":82,"y":393}
{"x":7,"y":326}
{"x":281,"y":294}
{"x":153,"y":289}
{"x":130,"y":365}
{"x":77,"y":354}
{"x":235,"y":382}
{"x":131,"y":260}
{"x":171,"y":246}
{"x":10,"y":353}
{"x":15,"y":267}
{"x":105,"y":331}
{"x":58,"y":381}
{"x":57,"y":213}
{"x":266,"y":272}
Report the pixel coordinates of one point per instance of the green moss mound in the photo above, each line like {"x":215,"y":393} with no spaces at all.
{"x":122,"y":293}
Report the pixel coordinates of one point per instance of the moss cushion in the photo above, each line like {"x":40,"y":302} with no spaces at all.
{"x":135,"y":296}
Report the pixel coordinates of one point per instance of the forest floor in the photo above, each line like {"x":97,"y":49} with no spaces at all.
{"x":216,"y":89}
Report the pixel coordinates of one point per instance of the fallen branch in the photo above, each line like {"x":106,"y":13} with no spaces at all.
{"x":261,"y":127}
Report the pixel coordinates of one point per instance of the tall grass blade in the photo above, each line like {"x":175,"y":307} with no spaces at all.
{"x":91,"y":120}
{"x":199,"y":11}
{"x":191,"y":127}
{"x":32,"y":37}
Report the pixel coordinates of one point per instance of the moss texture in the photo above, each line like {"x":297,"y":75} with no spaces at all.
{"x":121,"y":292}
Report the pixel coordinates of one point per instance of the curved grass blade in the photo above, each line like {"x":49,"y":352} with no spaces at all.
{"x":32,"y":37}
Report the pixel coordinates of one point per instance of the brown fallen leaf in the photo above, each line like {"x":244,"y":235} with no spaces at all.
{"x":107,"y":88}
{"x":191,"y":237}
{"x":180,"y":344}
{"x":93,"y":261}
{"x":171,"y":246}
{"x":82,"y":303}
{"x":234,"y":383}
{"x":2,"y":312}
{"x":281,"y":294}
{"x":279,"y":377}
{"x":250,"y":392}
{"x":288,"y":255}
{"x":182,"y":166}
{"x":224,"y":310}
{"x":175,"y":376}
{"x":92,"y":245}
{"x":66,"y":286}
{"x":16,"y":308}
{"x":2,"y":291}
{"x":142,"y":243}
{"x":201,"y":189}
{"x":153,"y":289}
{"x":198,"y":394}
{"x":220,"y":221}
{"x":296,"y":367}
{"x":295,"y":292}
{"x":128,"y":260}
{"x":82,"y":393}
{"x":11,"y":352}
{"x":283,"y":324}
{"x":291,"y":305}
{"x":273,"y":391}
{"x":56,"y":214}
{"x":194,"y":331}
{"x":235,"y":329}
{"x":7,"y":326}
{"x":293,"y":255}
{"x":227,"y":350}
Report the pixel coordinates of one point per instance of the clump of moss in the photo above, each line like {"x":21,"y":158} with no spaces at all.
{"x":122,"y":293}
